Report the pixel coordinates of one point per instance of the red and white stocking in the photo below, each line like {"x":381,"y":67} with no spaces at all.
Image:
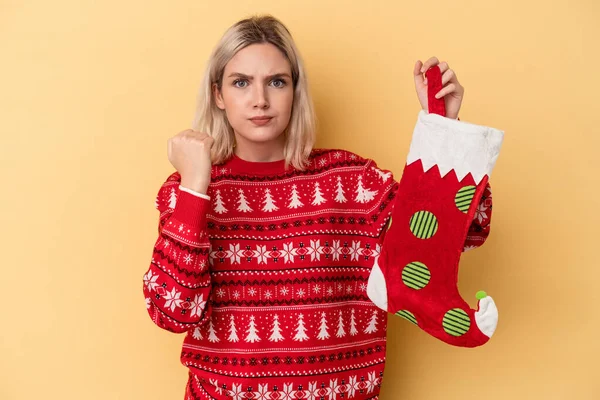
{"x":416,"y":274}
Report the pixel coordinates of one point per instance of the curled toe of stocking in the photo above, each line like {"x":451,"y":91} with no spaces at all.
{"x":486,"y":317}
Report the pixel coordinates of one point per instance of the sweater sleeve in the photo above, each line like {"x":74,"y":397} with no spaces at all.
{"x":482,"y":220}
{"x":177,"y":283}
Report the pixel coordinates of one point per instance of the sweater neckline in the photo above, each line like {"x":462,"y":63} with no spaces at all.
{"x":245,"y":167}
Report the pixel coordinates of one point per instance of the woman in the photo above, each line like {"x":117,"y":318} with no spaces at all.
{"x":266,"y":245}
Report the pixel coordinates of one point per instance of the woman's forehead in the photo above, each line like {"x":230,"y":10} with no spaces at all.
{"x":258,"y":59}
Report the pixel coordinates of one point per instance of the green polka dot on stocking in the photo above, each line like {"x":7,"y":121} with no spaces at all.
{"x":423,"y":224}
{"x":416,"y":275}
{"x":456,"y":322}
{"x":464,"y":197}
{"x":407,"y":315}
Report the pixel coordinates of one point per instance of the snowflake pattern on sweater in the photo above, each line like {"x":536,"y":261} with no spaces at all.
{"x":267,"y":276}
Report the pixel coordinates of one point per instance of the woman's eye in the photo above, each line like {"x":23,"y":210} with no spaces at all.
{"x":278,"y":83}
{"x":280,"y":80}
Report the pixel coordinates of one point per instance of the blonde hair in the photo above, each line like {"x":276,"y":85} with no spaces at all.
{"x":301,"y":130}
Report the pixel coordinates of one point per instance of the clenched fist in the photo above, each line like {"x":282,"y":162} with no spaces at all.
{"x":189,"y":153}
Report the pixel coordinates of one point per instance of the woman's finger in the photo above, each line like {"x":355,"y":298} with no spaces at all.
{"x":417,"y":69}
{"x":446,"y":90}
{"x":417,"y":74}
{"x":449,"y":76}
{"x":429,"y":63}
{"x":443,"y":66}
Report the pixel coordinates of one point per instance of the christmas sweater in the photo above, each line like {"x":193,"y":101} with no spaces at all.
{"x":266,"y":275}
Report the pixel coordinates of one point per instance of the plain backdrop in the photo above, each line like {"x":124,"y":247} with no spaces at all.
{"x":92,"y":90}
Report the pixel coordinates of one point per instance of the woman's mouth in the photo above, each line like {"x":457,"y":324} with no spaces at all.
{"x":260,"y":121}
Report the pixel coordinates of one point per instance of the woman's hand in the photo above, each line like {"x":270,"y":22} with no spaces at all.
{"x":189,"y":153}
{"x":452,"y":90}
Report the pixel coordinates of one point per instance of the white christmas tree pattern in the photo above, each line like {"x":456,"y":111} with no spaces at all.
{"x":212,"y":334}
{"x":219,"y":206}
{"x":364,"y":195}
{"x":295,"y":198}
{"x":172,"y":199}
{"x":197,"y":334}
{"x":275,"y":330}
{"x":317,"y":196}
{"x":340,"y":198}
{"x":383,"y":175}
{"x":243,"y":203}
{"x":269,"y":202}
{"x":340,"y":332}
{"x":252,"y":332}
{"x":300,"y":329}
{"x":372,"y":327}
{"x":323,"y":334}
{"x":233,"y":337}
{"x":353,"y":330}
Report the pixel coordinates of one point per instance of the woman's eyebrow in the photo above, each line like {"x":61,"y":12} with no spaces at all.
{"x":240,"y":75}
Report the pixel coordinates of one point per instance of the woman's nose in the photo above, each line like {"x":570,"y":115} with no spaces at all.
{"x":260,"y":97}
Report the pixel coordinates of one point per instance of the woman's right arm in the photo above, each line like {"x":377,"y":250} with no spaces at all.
{"x":177,"y":283}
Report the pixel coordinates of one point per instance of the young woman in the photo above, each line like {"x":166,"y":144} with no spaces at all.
{"x":266,"y":245}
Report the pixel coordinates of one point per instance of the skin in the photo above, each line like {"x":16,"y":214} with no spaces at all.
{"x":262,"y":91}
{"x":259,"y":93}
{"x":452,"y":90}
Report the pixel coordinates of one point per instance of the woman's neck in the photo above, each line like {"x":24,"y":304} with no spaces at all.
{"x":260,"y":152}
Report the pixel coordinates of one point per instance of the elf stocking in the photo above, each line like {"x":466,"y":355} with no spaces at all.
{"x":416,"y":274}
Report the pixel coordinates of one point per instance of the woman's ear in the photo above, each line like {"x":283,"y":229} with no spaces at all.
{"x":218,"y":96}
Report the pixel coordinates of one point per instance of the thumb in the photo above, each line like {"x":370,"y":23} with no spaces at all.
{"x":419,"y":77}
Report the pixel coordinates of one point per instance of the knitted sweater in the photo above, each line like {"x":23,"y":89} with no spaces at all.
{"x":267,"y":274}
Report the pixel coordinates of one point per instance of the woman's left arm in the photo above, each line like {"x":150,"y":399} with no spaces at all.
{"x":482,"y":222}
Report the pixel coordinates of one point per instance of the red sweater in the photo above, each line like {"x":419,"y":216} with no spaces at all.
{"x":267,"y":276}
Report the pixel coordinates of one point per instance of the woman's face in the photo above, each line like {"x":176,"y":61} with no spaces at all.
{"x":257,"y":82}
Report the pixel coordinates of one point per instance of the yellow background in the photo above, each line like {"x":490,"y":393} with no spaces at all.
{"x":91,"y":91}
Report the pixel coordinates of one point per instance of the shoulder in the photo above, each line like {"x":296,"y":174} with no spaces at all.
{"x":333,"y":157}
{"x":353,"y":163}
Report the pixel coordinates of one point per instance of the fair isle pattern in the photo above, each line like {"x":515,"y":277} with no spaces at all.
{"x":349,"y":388}
{"x":320,"y":160}
{"x":296,"y":356}
{"x":268,"y":276}
{"x":297,"y":324}
{"x":342,"y":200}
{"x":480,"y":227}
{"x":290,"y":252}
{"x":256,"y":291}
{"x":270,"y":374}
